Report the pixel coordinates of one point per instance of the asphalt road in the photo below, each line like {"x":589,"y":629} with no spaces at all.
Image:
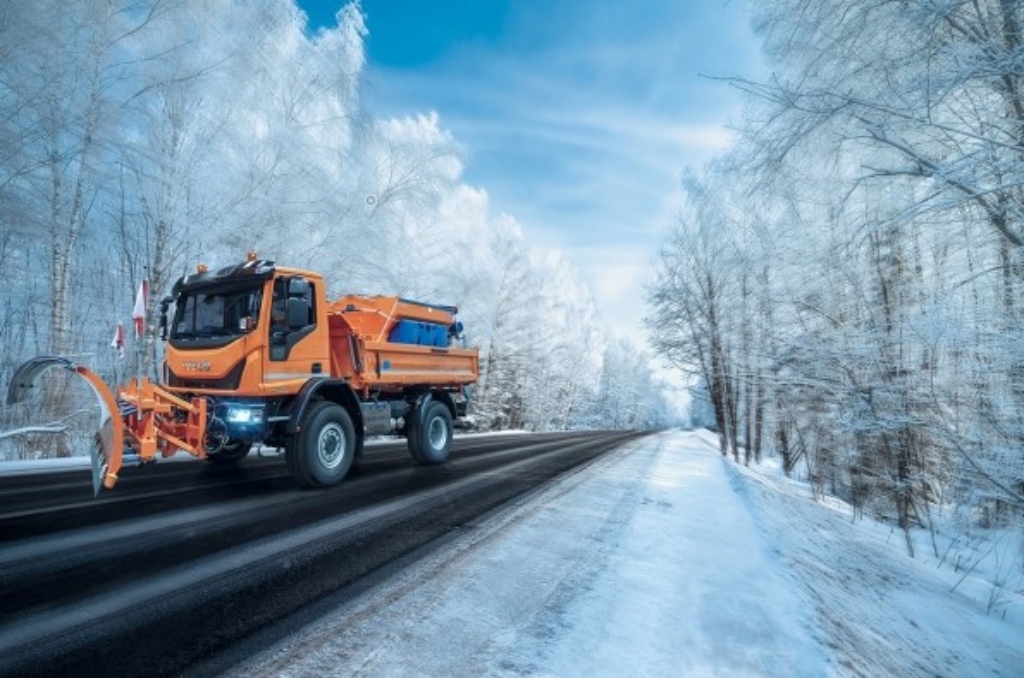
{"x":182,"y":564}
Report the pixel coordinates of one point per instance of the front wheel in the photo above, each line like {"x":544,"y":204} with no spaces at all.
{"x":430,"y":439}
{"x":321,"y":453}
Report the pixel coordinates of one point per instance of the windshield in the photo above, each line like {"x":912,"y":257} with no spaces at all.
{"x":203,"y":314}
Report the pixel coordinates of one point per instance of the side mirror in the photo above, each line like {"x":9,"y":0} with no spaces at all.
{"x":164,"y":305}
{"x":297,"y":287}
{"x":297,"y":313}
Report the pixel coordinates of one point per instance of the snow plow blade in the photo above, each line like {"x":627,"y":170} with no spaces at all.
{"x":108,"y":446}
{"x":24,"y":380}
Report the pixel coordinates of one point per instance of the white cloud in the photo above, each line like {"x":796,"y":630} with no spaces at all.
{"x":580,"y":120}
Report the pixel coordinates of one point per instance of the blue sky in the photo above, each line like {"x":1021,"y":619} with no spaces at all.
{"x":577,"y":116}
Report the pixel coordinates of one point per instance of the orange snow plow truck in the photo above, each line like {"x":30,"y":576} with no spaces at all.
{"x":256,"y":354}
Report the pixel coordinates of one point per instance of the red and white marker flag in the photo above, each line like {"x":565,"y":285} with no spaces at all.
{"x":118,"y":341}
{"x":139,"y":312}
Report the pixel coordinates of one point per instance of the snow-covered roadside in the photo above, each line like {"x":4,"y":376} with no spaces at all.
{"x":647,"y":562}
{"x":880,"y":611}
{"x":22,"y":466}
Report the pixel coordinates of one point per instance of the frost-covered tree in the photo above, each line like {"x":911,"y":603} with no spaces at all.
{"x":694,"y":290}
{"x":513,"y":333}
{"x":867,"y":278}
{"x":933,"y":90}
{"x":628,"y":395}
{"x":68,"y":77}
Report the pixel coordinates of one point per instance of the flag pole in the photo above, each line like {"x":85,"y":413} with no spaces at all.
{"x":139,"y":320}
{"x":117,"y":343}
{"x":138,"y":343}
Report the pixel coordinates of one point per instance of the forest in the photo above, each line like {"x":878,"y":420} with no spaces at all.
{"x":847,"y":282}
{"x":139,"y":139}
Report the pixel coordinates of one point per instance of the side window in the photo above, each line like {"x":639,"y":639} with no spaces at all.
{"x":292,"y":315}
{"x":278,"y":306}
{"x":302,"y":293}
{"x":186,"y":316}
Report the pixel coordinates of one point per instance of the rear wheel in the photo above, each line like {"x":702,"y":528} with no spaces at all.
{"x":430,"y":437}
{"x":321,"y":453}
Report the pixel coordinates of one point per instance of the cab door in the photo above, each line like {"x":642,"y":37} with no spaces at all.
{"x":297,"y":338}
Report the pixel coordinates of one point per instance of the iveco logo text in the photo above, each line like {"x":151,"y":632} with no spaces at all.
{"x":196,"y":366}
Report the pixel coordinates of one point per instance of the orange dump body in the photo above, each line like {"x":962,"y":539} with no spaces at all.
{"x":385,"y":344}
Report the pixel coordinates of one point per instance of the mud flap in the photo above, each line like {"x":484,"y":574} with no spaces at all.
{"x":108,"y":443}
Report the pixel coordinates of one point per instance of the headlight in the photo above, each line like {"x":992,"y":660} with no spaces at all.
{"x":244,"y":415}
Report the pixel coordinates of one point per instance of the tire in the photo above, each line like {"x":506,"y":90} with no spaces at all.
{"x":229,"y":455}
{"x":321,"y":453}
{"x":291,"y":457}
{"x":412,"y":440}
{"x":431,"y":442}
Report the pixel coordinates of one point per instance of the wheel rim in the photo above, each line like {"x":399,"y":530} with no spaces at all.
{"x":330,"y":448}
{"x":437,"y":434}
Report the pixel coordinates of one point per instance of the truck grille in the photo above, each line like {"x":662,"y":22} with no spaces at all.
{"x":228,"y":382}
